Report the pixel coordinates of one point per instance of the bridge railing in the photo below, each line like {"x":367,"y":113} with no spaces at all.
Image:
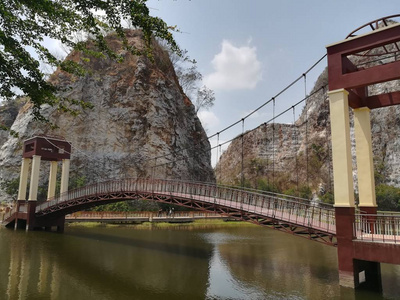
{"x":21,"y":208}
{"x":296,"y":210}
{"x":383,"y":228}
{"x":9,"y":213}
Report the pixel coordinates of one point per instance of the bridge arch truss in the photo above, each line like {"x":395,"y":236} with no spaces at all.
{"x":281,"y":212}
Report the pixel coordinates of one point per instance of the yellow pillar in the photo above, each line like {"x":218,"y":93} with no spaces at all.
{"x":23,"y":179}
{"x":33,"y":191}
{"x":64,"y":176}
{"x":341,"y":148}
{"x":365,"y":165}
{"x":51,"y":191}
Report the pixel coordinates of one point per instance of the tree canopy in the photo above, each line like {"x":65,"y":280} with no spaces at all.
{"x":25,"y":24}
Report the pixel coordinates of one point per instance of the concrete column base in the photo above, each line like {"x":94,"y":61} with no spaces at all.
{"x":344,"y":233}
{"x":19,"y":203}
{"x":30,"y":217}
{"x":354,"y":273}
{"x":346,"y":279}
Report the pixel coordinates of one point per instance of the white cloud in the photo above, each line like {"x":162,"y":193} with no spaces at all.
{"x":235,"y":68}
{"x":208,"y":119}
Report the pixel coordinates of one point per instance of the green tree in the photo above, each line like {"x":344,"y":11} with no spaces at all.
{"x":77,"y":182}
{"x":131,"y":205}
{"x":328,"y":198}
{"x":380,"y":172}
{"x":265,"y":185}
{"x":305,"y":192}
{"x":11,"y":187}
{"x":387,"y":197}
{"x":26,"y":23}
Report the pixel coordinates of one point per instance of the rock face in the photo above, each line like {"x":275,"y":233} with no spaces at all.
{"x":292,"y":155}
{"x":141,"y":124}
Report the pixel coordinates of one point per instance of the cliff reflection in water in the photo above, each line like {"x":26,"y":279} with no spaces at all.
{"x":102,"y":264}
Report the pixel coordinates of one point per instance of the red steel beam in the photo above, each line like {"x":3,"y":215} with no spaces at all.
{"x":362,"y":78}
{"x":343,"y":74}
{"x":383,"y":100}
{"x":386,"y":35}
{"x":372,"y":102}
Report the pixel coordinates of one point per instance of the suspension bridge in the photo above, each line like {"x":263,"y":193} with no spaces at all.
{"x":363,"y":238}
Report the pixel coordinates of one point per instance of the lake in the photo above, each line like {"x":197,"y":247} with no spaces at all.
{"x":182,"y":262}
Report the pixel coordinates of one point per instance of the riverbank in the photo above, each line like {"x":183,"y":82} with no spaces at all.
{"x":202,"y":223}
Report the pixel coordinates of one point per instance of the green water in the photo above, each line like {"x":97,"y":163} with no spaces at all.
{"x":179,"y":263}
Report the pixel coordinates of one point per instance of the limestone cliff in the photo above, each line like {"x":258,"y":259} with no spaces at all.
{"x":139,"y":113}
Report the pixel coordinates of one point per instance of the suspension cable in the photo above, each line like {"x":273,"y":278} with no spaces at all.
{"x":273,"y":143}
{"x":242,"y":176}
{"x":216,"y":159}
{"x":306,"y":148}
{"x":329,"y":151}
{"x":296,"y":144}
{"x":267,"y":140}
{"x":220,"y":173}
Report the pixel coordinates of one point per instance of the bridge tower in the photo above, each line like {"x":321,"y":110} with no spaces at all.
{"x":352,"y":73}
{"x":35,"y":150}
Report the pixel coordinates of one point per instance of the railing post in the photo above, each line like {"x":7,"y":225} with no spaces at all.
{"x":312,"y":216}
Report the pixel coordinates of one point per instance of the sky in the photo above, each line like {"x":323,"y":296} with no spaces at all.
{"x":249,"y":50}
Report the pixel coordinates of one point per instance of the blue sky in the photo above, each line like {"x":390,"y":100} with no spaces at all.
{"x":249,"y":50}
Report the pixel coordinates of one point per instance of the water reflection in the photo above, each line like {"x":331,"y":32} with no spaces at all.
{"x":221,"y":284}
{"x":284,"y":265}
{"x":91,"y":264}
{"x":124,"y":263}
